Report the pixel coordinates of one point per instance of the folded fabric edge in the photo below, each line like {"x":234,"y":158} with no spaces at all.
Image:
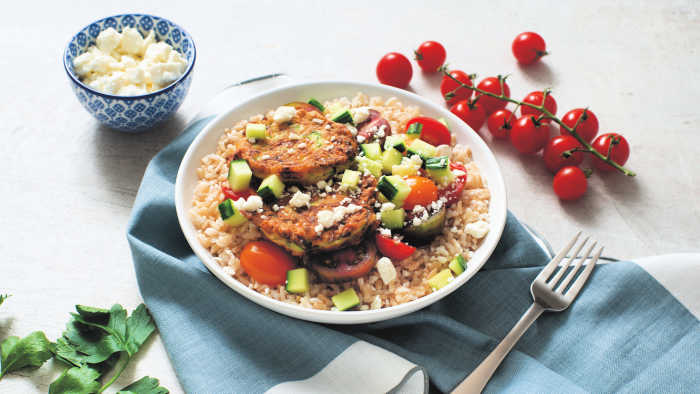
{"x":362,"y":367}
{"x":679,"y":274}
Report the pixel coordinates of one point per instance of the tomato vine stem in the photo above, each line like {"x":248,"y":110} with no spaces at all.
{"x":587,"y":147}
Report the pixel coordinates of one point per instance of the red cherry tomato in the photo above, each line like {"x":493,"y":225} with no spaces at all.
{"x":433,"y":131}
{"x":529,"y":136}
{"x":500,"y":123}
{"x":471,"y":112}
{"x":423,"y":192}
{"x":570,"y":183}
{"x":493,"y":85}
{"x":587,"y":129}
{"x":537,"y":98}
{"x":394,"y":69}
{"x":528,"y":47}
{"x":228,"y":193}
{"x":266,"y":262}
{"x":453,"y":191}
{"x":619,"y":153}
{"x":430,"y":55}
{"x":393,"y":249}
{"x":552,"y":155}
{"x":448,"y":85}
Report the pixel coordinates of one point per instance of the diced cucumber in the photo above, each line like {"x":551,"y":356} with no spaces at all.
{"x":317,"y":104}
{"x":396,"y":141}
{"x":414,"y":129}
{"x":390,"y":158}
{"x":394,"y":188}
{"x":343,"y":116}
{"x":351,"y":178}
{"x":438,"y":168}
{"x":239,"y":175}
{"x":422,"y":149}
{"x":271,"y":188}
{"x":365,"y":163}
{"x":346,"y":299}
{"x":297,"y":280}
{"x":437,"y":163}
{"x":230,"y":214}
{"x":441,"y":279}
{"x":255,"y":130}
{"x":444,"y":121}
{"x":393,"y":218}
{"x":372,"y":151}
{"x":381,"y":198}
{"x":458,"y":264}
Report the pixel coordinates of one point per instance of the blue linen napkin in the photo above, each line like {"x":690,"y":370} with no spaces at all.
{"x":624,"y":333}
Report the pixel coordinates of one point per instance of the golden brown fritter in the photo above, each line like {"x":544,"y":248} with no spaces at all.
{"x":295,"y":229}
{"x":305,"y":150}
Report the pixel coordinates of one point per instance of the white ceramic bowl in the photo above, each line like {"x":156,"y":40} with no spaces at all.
{"x":206,"y":142}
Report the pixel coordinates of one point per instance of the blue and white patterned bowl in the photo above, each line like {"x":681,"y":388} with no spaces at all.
{"x":132,"y":113}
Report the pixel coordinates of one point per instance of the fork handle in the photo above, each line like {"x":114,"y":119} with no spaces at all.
{"x":477,"y":380}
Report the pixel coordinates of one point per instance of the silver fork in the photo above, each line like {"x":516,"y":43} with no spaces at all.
{"x":547,"y":296}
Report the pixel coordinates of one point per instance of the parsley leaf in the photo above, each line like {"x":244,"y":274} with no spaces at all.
{"x":30,"y":351}
{"x":3,"y":297}
{"x":76,"y":380}
{"x":98,"y":339}
{"x":145,"y":385}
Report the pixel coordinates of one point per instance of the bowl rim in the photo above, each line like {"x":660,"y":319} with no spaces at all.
{"x":497,"y":218}
{"x":75,"y":79}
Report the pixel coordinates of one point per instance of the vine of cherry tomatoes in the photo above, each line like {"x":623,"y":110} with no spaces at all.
{"x":529,"y":133}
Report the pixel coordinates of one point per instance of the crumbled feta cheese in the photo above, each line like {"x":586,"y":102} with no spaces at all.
{"x":360,"y":138}
{"x":416,"y":221}
{"x":263,"y":217}
{"x":321,"y":184}
{"x":387,"y":206}
{"x":264,"y":157}
{"x":386,"y":270}
{"x":318,"y":229}
{"x":381,"y":133}
{"x":385,"y":231}
{"x":253,"y":203}
{"x":300,"y":199}
{"x":328,"y":126}
{"x":325,"y":218}
{"x":251,"y":140}
{"x":458,"y":173}
{"x":443,"y":150}
{"x":346,"y":200}
{"x":328,"y":189}
{"x":477,"y":229}
{"x":359,"y":115}
{"x":416,"y":160}
{"x":302,"y":145}
{"x":294,"y":136}
{"x":353,"y":129}
{"x":377,"y":204}
{"x":418,"y":209}
{"x":291,"y":150}
{"x":284,"y":113}
{"x":111,"y":66}
{"x":317,"y":120}
{"x":275,"y":207}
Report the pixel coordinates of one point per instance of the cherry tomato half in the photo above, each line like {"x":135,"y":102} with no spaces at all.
{"x":393,"y":249}
{"x":423,"y":192}
{"x":394,"y":69}
{"x":493,"y":85}
{"x":228,"y":193}
{"x":553,"y":158}
{"x":570,"y":183}
{"x":528,"y":135}
{"x":448,"y":85}
{"x":266,"y":262}
{"x":471,"y":112}
{"x":500,"y":123}
{"x":453,"y":191}
{"x":528,"y":47}
{"x":433,"y":131}
{"x":537,"y":98}
{"x":587,"y":129}
{"x":430,"y":55}
{"x":619,"y":153}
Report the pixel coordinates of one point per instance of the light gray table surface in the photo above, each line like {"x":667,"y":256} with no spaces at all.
{"x":68,"y":184}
